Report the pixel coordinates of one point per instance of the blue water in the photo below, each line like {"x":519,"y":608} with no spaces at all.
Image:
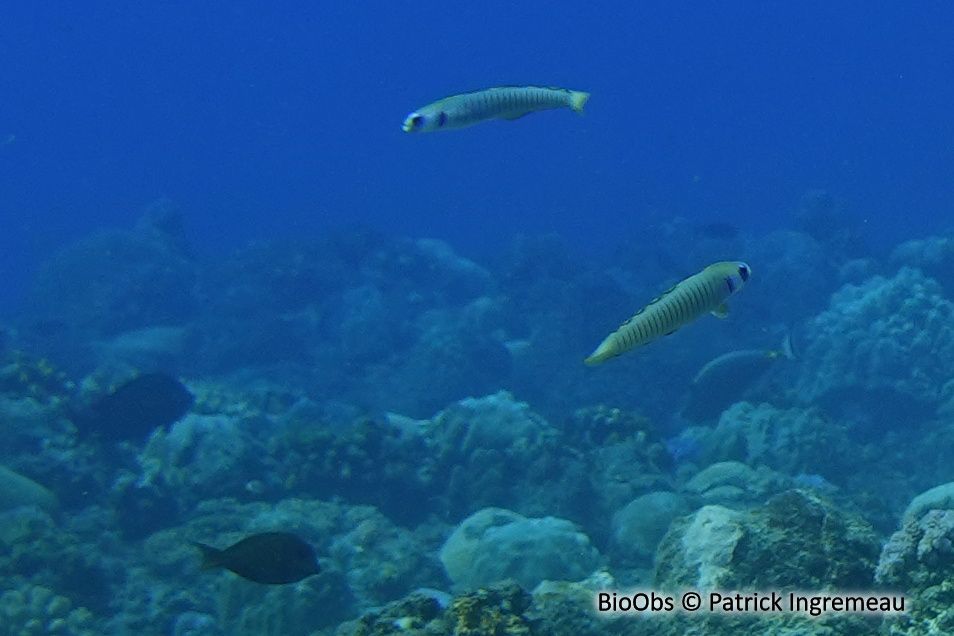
{"x":263,"y":120}
{"x":371,"y":389}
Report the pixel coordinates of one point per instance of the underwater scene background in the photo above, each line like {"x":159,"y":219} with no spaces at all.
{"x":271,"y":365}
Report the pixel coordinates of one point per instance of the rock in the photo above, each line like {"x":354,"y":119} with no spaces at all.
{"x":797,"y":540}
{"x":704,"y":550}
{"x":492,"y":612}
{"x":735,"y":485}
{"x":641,"y":524}
{"x":494,"y":544}
{"x":791,"y":441}
{"x":937,"y":498}
{"x":884,"y":348}
{"x":723,"y":474}
{"x":919,"y":559}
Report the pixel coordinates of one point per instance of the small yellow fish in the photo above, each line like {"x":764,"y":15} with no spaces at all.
{"x":685,"y":302}
{"x":505,"y":102}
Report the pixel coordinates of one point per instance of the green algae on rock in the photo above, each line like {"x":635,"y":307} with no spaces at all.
{"x":798,"y":540}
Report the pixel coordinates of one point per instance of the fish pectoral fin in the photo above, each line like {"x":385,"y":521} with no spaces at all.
{"x":512,"y":117}
{"x":721,"y":311}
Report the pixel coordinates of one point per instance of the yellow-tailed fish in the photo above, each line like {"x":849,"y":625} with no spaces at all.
{"x":505,"y":102}
{"x":685,"y":302}
{"x":727,"y":379}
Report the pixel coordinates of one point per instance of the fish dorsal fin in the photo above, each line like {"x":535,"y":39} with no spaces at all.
{"x":659,"y":298}
{"x":648,"y":305}
{"x":721,"y":311}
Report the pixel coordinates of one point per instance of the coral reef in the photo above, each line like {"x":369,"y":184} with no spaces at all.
{"x":933,"y":255}
{"x":622,"y":458}
{"x":367,"y":393}
{"x":499,"y":611}
{"x":792,"y":441}
{"x":797,"y":540}
{"x":362,"y":317}
{"x":113,"y":282}
{"x":495,"y":451}
{"x":940,"y":497}
{"x":918,"y":560}
{"x":884,"y":348}
{"x":493,"y":545}
{"x":566,"y":609}
{"x":38,"y":552}
{"x":640,"y":525}
{"x":365,"y":559}
{"x":24,"y":377}
{"x":479,"y":452}
{"x":455,"y":349}
{"x":735,"y":485}
{"x":205,"y":455}
{"x":921,"y":554}
{"x":34,"y":610}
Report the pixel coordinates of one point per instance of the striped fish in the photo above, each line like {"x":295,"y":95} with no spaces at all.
{"x":683,"y":303}
{"x":505,"y":102}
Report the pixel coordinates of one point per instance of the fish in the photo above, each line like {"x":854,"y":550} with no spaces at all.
{"x":270,"y":558}
{"x":137,"y":407}
{"x":723,"y":381}
{"x":504,"y":102}
{"x":17,"y":490}
{"x":685,"y":302}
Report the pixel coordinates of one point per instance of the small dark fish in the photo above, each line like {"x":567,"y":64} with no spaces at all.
{"x":137,"y":407}
{"x":272,"y":558}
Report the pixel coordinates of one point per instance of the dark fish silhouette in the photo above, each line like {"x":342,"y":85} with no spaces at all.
{"x":137,"y":407}
{"x":273,"y":558}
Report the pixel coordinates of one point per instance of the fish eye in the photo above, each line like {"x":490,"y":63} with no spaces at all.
{"x":416,"y":121}
{"x":744,"y":272}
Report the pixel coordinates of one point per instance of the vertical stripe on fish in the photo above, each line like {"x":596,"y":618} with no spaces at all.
{"x":505,"y":102}
{"x":685,"y":302}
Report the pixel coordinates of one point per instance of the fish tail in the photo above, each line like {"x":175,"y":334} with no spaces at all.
{"x":578,"y":100}
{"x":210,"y":556}
{"x":596,"y":359}
{"x":604,"y":352}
